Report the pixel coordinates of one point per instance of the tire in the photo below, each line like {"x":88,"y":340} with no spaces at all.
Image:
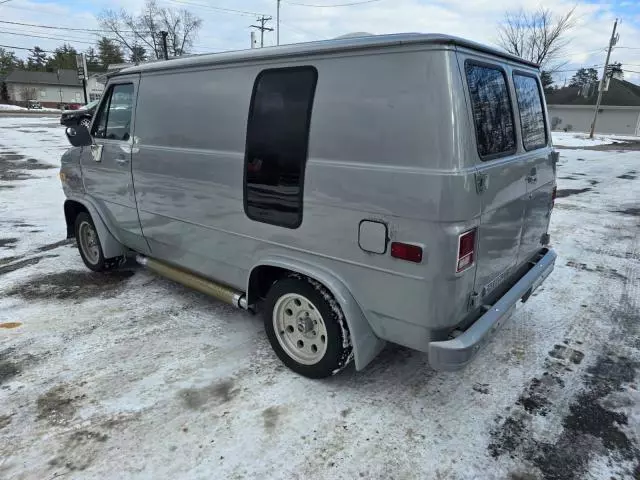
{"x":89,"y":245}
{"x":85,"y":122}
{"x":298,"y":312}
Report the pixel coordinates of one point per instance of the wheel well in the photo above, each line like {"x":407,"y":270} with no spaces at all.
{"x":261,"y":279}
{"x":71,"y":211}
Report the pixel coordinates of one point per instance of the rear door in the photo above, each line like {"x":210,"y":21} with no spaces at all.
{"x":542,"y":169}
{"x":106,"y":165}
{"x":501,"y":171}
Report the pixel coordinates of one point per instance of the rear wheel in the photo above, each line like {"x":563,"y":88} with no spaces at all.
{"x":89,"y":245}
{"x":306,"y":327}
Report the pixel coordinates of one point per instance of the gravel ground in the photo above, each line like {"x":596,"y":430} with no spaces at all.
{"x":128,"y":375}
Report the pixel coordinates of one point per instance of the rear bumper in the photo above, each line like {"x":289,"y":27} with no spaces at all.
{"x":456,"y":353}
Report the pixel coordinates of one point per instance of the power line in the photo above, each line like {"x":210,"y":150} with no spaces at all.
{"x":54,"y":36}
{"x":23,"y":48}
{"x":350,"y":4}
{"x":56,"y":28}
{"x":232,"y":11}
{"x":45,"y":37}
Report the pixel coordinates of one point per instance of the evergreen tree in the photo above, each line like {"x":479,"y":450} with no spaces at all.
{"x":547,"y":80}
{"x":63,"y":58}
{"x":8,"y":62}
{"x":37,"y":59}
{"x":583,"y":77}
{"x":138,"y":54}
{"x":109,"y":52}
{"x":93,"y":60}
{"x":4,"y":92}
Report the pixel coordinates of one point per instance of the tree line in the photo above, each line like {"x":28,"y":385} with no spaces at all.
{"x":106,"y":52}
{"x":129,"y":37}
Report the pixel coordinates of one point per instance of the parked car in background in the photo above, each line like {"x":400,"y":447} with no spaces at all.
{"x":82,"y":116}
{"x":311,"y":182}
{"x":34,"y":105}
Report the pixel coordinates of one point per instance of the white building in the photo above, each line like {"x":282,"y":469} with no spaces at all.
{"x":619,"y":111}
{"x":51,"y":88}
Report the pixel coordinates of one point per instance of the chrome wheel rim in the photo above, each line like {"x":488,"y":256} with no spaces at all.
{"x":300,"y":329}
{"x":85,"y":123}
{"x":88,"y":239}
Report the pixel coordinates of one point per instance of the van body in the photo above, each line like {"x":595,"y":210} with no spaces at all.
{"x":408,"y":179}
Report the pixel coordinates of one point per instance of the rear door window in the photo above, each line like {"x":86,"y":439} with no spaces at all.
{"x":492,"y":112}
{"x":114,"y":117}
{"x":277,"y":142}
{"x":532,"y":122}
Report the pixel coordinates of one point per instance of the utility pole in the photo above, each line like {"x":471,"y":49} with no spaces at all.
{"x":263,"y":19}
{"x":164,"y":44}
{"x":278,"y":23}
{"x":612,"y":42}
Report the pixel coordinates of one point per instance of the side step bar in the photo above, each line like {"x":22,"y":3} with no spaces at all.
{"x":202,"y":285}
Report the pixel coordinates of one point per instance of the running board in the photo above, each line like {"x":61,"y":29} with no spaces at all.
{"x":202,"y":285}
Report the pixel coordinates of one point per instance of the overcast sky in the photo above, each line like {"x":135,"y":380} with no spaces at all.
{"x":229,"y":30}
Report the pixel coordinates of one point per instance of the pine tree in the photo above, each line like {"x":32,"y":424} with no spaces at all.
{"x":93,"y":61}
{"x":37,"y":59}
{"x":109,"y":52}
{"x":547,"y":80}
{"x":583,"y":77}
{"x":8,"y":62}
{"x":138,"y":54}
{"x":63,"y":57}
{"x":4,"y":92}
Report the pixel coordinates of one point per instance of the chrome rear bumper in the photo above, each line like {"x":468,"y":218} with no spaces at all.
{"x":454,"y":354}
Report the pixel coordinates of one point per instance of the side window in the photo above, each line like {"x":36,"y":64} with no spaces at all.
{"x":277,"y":142}
{"x":492,"y":112}
{"x":114,"y":117}
{"x":534,"y":131}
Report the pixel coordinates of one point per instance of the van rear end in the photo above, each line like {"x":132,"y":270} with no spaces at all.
{"x":508,"y":252}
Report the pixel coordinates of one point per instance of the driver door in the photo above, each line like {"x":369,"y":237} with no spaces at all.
{"x":106,"y":165}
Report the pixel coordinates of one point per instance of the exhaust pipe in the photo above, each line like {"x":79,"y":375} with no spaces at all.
{"x":202,"y":285}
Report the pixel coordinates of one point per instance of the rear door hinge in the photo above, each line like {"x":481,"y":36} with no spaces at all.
{"x":482,"y":182}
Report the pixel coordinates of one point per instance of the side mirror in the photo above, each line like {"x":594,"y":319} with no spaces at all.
{"x":78,"y":136}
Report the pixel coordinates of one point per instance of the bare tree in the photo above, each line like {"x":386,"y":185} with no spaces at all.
{"x":181,"y":26}
{"x":538,"y":36}
{"x":143,"y":30}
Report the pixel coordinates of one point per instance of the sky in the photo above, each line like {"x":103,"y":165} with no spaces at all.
{"x":226,"y":23}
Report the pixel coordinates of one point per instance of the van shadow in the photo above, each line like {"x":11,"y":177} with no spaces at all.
{"x":395,"y":369}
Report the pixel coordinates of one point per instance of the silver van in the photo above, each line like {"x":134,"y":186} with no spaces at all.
{"x":355,"y":191}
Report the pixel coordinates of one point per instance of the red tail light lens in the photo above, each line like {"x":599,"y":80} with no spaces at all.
{"x":466,"y":250}
{"x":406,"y":251}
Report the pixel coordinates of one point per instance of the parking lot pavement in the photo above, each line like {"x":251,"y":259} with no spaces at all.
{"x":128,"y":375}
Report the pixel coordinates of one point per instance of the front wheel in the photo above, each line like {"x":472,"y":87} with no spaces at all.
{"x":85,"y":122}
{"x":306,"y":327}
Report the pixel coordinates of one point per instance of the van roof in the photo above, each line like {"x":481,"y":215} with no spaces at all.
{"x":319,"y":47}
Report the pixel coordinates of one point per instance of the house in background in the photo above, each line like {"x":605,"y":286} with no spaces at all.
{"x":571,"y":110}
{"x":51,"y":88}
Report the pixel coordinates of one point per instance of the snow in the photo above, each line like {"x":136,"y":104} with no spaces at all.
{"x":16,"y":108}
{"x":132,"y":376}
{"x":573,"y":139}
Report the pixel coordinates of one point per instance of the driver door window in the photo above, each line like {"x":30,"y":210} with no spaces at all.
{"x":114,"y":116}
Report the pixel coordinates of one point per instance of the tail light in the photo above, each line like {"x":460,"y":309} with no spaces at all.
{"x":466,"y":250}
{"x":406,"y":251}
{"x":553,"y":196}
